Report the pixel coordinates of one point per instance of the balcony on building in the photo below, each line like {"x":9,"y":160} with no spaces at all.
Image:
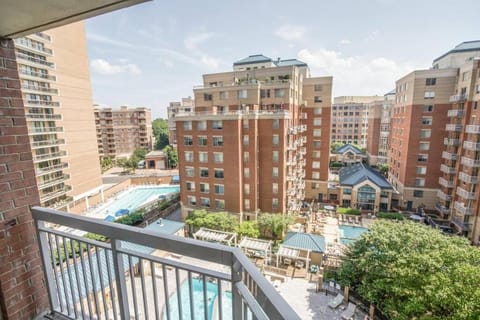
{"x":449,"y":156}
{"x":445,"y":183}
{"x":49,"y":156}
{"x":462,"y":176}
{"x":43,"y":130}
{"x":458,"y":113}
{"x":36,"y":75}
{"x":447,"y":169}
{"x":461,"y":208}
{"x":50,"y":169}
{"x":461,"y":223}
{"x":451,"y":142}
{"x":458,"y":98}
{"x":52,"y":182}
{"x":466,"y":194}
{"x":453,"y":127}
{"x":138,"y":273}
{"x":58,"y":192}
{"x":473,"y":163}
{"x":42,"y":103}
{"x":442,"y":209}
{"x":41,"y":89}
{"x":442,"y":195}
{"x":35,"y":47}
{"x":472,"y":128}
{"x":42,"y":116}
{"x":47,"y":143}
{"x":473,"y":146}
{"x":31,"y":60}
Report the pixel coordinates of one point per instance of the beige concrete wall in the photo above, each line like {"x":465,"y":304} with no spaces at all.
{"x":75,"y":95}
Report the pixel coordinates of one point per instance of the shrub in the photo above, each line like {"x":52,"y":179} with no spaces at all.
{"x":349,"y":211}
{"x":131,"y":219}
{"x":390,"y":215}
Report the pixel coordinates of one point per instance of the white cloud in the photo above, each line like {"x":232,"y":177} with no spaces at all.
{"x":106,"y":68}
{"x":355,"y":75}
{"x":344,"y":42}
{"x":372,"y":36}
{"x":193,"y":40}
{"x":290,"y":32}
{"x":193,"y":43}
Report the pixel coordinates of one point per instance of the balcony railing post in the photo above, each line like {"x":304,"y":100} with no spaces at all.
{"x":120,"y":281}
{"x":48,"y":266}
{"x":237,"y":304}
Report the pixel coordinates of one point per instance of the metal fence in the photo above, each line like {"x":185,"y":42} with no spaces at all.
{"x":140,"y":274}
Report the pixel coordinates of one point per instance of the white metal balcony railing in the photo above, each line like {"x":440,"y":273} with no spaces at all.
{"x":442,"y":195}
{"x":449,"y":156}
{"x":445,"y":183}
{"x":45,"y":129}
{"x":40,"y":103}
{"x":458,"y":97}
{"x":26,"y":57}
{"x":460,"y":207}
{"x":119,"y":279}
{"x":442,"y":209}
{"x":451,"y":142}
{"x":459,"y":222}
{"x":31,"y":47}
{"x":279,"y":113}
{"x":446,"y":169}
{"x":43,"y":116}
{"x":469,"y":145}
{"x":50,"y":183}
{"x":473,"y":163}
{"x":41,"y":75}
{"x":453,"y":127}
{"x":472,"y":128}
{"x":49,"y":156}
{"x":455,"y":113}
{"x":40,"y":89}
{"x":60,"y":192}
{"x":50,"y":169}
{"x":466,"y":194}
{"x":462,"y":176}
{"x":47,"y":143}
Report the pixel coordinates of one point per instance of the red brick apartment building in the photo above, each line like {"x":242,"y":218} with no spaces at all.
{"x":243,"y":148}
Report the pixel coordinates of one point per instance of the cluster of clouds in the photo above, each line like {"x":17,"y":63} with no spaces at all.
{"x":106,"y":68}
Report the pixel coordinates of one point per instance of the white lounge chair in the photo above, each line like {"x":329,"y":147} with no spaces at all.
{"x":349,"y":312}
{"x":335,"y":302}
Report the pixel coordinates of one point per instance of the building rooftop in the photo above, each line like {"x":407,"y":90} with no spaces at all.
{"x":357,"y":173}
{"x":165,"y":226}
{"x":305,"y":241}
{"x":155,"y":153}
{"x":348,"y":148}
{"x":291,"y":62}
{"x":256,"y":58}
{"x":462,"y":47}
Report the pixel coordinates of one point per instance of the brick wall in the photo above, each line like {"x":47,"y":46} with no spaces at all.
{"x":22,"y":290}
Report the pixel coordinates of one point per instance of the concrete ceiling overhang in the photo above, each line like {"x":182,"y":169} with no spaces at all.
{"x":23,"y":17}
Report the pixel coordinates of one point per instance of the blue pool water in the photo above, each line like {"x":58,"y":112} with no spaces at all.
{"x":198,"y":301}
{"x":136,"y":197}
{"x":351,"y":232}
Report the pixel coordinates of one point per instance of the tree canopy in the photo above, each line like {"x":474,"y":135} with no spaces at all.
{"x":172,"y":156}
{"x":273,"y":224}
{"x":222,"y":221}
{"x":160,"y":131}
{"x":411,"y":271}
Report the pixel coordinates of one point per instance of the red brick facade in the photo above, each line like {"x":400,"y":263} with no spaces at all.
{"x":22,"y":289}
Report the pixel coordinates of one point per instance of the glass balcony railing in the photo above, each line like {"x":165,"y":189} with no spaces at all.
{"x":41,"y":75}
{"x":144,"y":274}
{"x":25,"y":57}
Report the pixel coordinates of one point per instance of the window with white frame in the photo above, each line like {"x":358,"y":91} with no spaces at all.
{"x":275,"y":172}
{"x":315,"y":175}
{"x":190,"y":186}
{"x":219,"y":189}
{"x":242,"y":94}
{"x":316,"y":164}
{"x":317,"y":132}
{"x":218,"y":141}
{"x":427,"y":121}
{"x":317,"y":110}
{"x":218,"y":157}
{"x":274,"y":188}
{"x":279,"y":93}
{"x":246,"y":140}
{"x":189,"y":171}
{"x":316,"y":154}
{"x":202,"y":141}
{"x":429,"y":94}
{"x":275,"y":123}
{"x":201,"y":125}
{"x":187,"y":125}
{"x":246,"y":156}
{"x":192,"y":200}
{"x":420,"y":182}
{"x":317,"y":121}
{"x":218,"y":173}
{"x":246,"y":204}
{"x":223,"y":95}
{"x":217,"y":124}
{"x":425,"y":133}
{"x":274,"y":203}
{"x":421,"y":170}
{"x":203,"y":157}
{"x":188,"y":156}
{"x":275,"y":140}
{"x":205,"y":202}
{"x":317,"y":144}
{"x":275,"y":156}
{"x":203,"y":172}
{"x":219,"y":204}
{"x":204,"y":187}
{"x":246,"y":172}
{"x":246,"y":188}
{"x":424,"y":146}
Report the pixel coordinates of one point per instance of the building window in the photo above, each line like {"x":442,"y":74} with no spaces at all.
{"x":205,"y":202}
{"x":275,"y":123}
{"x":424,"y":146}
{"x":427,"y":121}
{"x":218,"y":157}
{"x":246,"y":156}
{"x":317,"y":87}
{"x":190,"y":186}
{"x":419,"y":182}
{"x":204,"y":172}
{"x":316,"y":175}
{"x":429,"y":94}
{"x":242,"y":94}
{"x":246,"y":204}
{"x":316,"y":154}
{"x":246,"y":172}
{"x":279,"y":93}
{"x":274,"y":203}
{"x":207,"y":97}
{"x":431,"y":81}
{"x":202,"y":125}
{"x":246,"y":140}
{"x":422,"y":157}
{"x":187,"y":141}
{"x":425,"y":133}
{"x":274,"y":188}
{"x":315,"y":185}
{"x":317,"y":121}
{"x":218,"y":173}
{"x":223,"y":95}
{"x":317,"y":99}
{"x":317,"y":144}
{"x":188,"y":156}
{"x":316,"y":164}
{"x":246,"y":188}
{"x":219,"y":189}
{"x":275,"y":139}
{"x":264,"y":93}
{"x":187,"y":125}
{"x":245,"y":124}
{"x":317,"y":110}
{"x":347,"y":191}
{"x":421,"y":170}
{"x":202,"y":141}
{"x":275,"y":172}
{"x":217,"y":141}
{"x":189,"y":171}
{"x":366,"y":197}
{"x":317,"y":132}
{"x":192,"y":200}
{"x":418,"y":193}
{"x":219,"y":204}
{"x":217,"y":124}
{"x":203,"y":157}
{"x":428,"y":108}
{"x":204,"y":187}
{"x":274,"y":156}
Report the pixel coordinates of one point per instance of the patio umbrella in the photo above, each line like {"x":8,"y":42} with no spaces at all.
{"x":109,"y":218}
{"x":415,"y":217}
{"x":121,"y":212}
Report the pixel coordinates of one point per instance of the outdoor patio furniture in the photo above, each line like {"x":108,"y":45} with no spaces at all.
{"x":299,"y":264}
{"x":335,"y":302}
{"x":349,"y":312}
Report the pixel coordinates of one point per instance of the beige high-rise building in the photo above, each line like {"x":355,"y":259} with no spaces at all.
{"x":244,"y":148}
{"x":174,"y":108}
{"x":350,"y":119}
{"x":54,"y":73}
{"x":121,"y":131}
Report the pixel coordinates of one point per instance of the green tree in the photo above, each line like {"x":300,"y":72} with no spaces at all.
{"x":172,"y":156}
{"x":160,"y":131}
{"x":248,"y":229}
{"x":273,"y":224}
{"x":222,"y":221}
{"x":411,"y":271}
{"x":335,"y":145}
{"x":383,"y":169}
{"x":139,"y":154}
{"x":106,"y":164}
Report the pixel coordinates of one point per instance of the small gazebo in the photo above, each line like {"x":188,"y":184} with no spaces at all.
{"x":288,"y":254}
{"x":211,"y":235}
{"x":257,"y":248}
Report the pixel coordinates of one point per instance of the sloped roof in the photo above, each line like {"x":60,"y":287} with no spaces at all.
{"x":165,"y":226}
{"x":348,"y":147}
{"x":291,"y":62}
{"x":359,"y":172}
{"x":305,"y":241}
{"x":256,"y":58}
{"x":462,"y":47}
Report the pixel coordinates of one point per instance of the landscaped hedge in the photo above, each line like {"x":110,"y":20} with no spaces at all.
{"x":336,"y":164}
{"x":131,"y":219}
{"x":390,"y":215}
{"x":350,"y":211}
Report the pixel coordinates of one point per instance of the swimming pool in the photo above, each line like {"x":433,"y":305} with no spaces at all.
{"x":351,"y":232}
{"x":134,"y":198}
{"x":198,"y":302}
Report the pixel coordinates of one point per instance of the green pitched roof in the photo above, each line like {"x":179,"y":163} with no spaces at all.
{"x":305,"y":241}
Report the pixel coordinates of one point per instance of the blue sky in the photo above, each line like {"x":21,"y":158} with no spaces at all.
{"x":154,"y":53}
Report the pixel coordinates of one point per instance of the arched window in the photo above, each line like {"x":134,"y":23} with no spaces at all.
{"x":366,"y":197}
